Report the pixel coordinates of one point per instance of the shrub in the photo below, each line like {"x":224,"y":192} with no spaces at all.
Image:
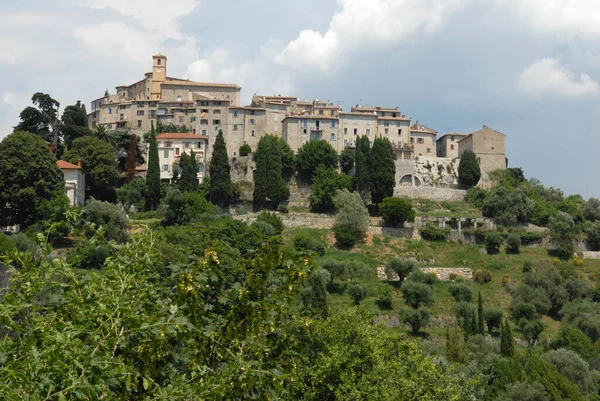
{"x":461,"y":292}
{"x":336,"y":268}
{"x":419,"y":276}
{"x":345,"y":237}
{"x":245,"y":150}
{"x":108,"y":216}
{"x":351,"y":220}
{"x":432,"y":232}
{"x":527,"y":266}
{"x":571,"y":338}
{"x":315,"y":154}
{"x":326,"y":182}
{"x":513,"y":244}
{"x":416,"y":294}
{"x":577,"y":262}
{"x":265,"y":228}
{"x":385,"y":295}
{"x":528,"y":238}
{"x":282,"y":208}
{"x":24,"y":243}
{"x":305,"y":242}
{"x":401,"y":267}
{"x":89,"y":256}
{"x":493,"y":241}
{"x":6,"y":245}
{"x":562,"y":233}
{"x":493,"y":318}
{"x":482,"y":276}
{"x":452,"y":276}
{"x":358,"y":292}
{"x":273,"y":219}
{"x":395,"y":211}
{"x":415,"y":318}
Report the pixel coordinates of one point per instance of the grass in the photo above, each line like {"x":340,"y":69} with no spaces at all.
{"x":431,"y":208}
{"x":376,"y":251}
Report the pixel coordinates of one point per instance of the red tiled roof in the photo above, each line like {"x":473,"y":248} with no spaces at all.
{"x":63,"y":165}
{"x":180,"y":136}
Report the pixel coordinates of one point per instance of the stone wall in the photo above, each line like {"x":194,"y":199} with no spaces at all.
{"x":438,"y":194}
{"x":443,"y":273}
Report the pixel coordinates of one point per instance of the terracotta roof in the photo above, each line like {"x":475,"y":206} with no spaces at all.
{"x":63,"y":165}
{"x":357,"y":113}
{"x":375,"y":108}
{"x":159,"y":56}
{"x":421,"y":128}
{"x":395,"y":118}
{"x":310,"y":117}
{"x":167,"y":135}
{"x":247,"y":108}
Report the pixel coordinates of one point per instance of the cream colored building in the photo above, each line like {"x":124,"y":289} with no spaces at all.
{"x":74,"y":181}
{"x":297,"y":130}
{"x":423,"y":140}
{"x":447,"y":145}
{"x":488,"y":146}
{"x":172,"y":145}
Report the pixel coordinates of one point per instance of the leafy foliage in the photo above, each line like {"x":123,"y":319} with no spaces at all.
{"x":383,"y":170}
{"x":358,"y":292}
{"x":314,"y":154}
{"x":513,"y":243}
{"x":362,"y":168}
{"x":347,"y":160}
{"x":188,"y":180}
{"x":221,"y":188}
{"x":401,"y":267}
{"x":351,"y":220}
{"x":493,"y":242}
{"x":396,"y":211}
{"x":326,"y":182}
{"x":245,"y":150}
{"x":468,"y":169}
{"x":416,"y":294}
{"x":107,"y":217}
{"x":461,"y":292}
{"x":415,"y":318}
{"x":432,"y":232}
{"x":268,"y":178}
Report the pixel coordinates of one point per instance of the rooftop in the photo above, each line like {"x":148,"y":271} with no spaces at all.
{"x":174,"y":135}
{"x":418,"y":127}
{"x":186,"y":82}
{"x":63,"y":165}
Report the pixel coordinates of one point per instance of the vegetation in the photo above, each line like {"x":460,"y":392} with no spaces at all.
{"x":188,"y":180}
{"x":152,"y":191}
{"x":245,"y":150}
{"x":468,"y":169}
{"x":383,"y":170}
{"x":396,"y":211}
{"x":347,"y":161}
{"x":351,"y":220}
{"x":268,"y":177}
{"x":326,"y":183}
{"x":315,"y":154}
{"x":222,"y":192}
{"x":362,"y":169}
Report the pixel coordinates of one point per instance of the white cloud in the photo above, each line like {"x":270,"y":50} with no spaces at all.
{"x":548,"y":77}
{"x":562,"y":16}
{"x":367,"y":22}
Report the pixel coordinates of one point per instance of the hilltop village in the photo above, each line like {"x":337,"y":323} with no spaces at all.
{"x":203,"y":109}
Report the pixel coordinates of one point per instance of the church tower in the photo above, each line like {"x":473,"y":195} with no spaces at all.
{"x":159,"y":75}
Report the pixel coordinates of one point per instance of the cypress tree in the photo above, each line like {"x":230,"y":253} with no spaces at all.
{"x":188,"y":180}
{"x":507,"y":343}
{"x":383,"y":170}
{"x":132,"y":158}
{"x":466,"y":326}
{"x":268,"y":178}
{"x":469,"y":172}
{"x":362,"y":171}
{"x":221,"y":187}
{"x":153,"y":173}
{"x":473,"y":323}
{"x":480,"y":319}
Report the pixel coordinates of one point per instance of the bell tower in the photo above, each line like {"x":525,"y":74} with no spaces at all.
{"x":159,"y":75}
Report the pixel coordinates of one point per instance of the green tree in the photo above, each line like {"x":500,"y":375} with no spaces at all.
{"x":493,"y":318}
{"x":153,"y":173}
{"x":571,"y":338}
{"x":273,"y":220}
{"x":396,"y":211}
{"x":358,"y":292}
{"x":401,"y":267}
{"x":525,"y":391}
{"x":351,"y":220}
{"x":314,"y":295}
{"x":417,"y":294}
{"x":415,"y":318}
{"x":469,"y":172}
{"x":362,"y":170}
{"x":562,"y":234}
{"x":245,"y":150}
{"x":314,"y":154}
{"x":507,"y":342}
{"x":131,"y":193}
{"x":461,"y":292}
{"x":28,"y":177}
{"x":131,"y":160}
{"x":383,"y":170}
{"x":591,"y":210}
{"x":347,"y":160}
{"x":326,"y":182}
{"x":575,"y":368}
{"x":480,"y":317}
{"x":107,"y":216}
{"x":74,"y":123}
{"x":493,"y":241}
{"x":268,"y":177}
{"x":221,"y":187}
{"x":513,"y":243}
{"x":99,"y":163}
{"x":455,"y":351}
{"x":41,"y":120}
{"x":188,"y":180}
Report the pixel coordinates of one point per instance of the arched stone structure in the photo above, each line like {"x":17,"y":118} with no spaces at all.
{"x":410,"y":180}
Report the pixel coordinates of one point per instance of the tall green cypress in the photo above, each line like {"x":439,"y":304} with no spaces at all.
{"x":221,"y":187}
{"x":188,"y":181}
{"x":362,"y":170}
{"x":507,"y":343}
{"x":383,"y":170}
{"x":153,"y":173}
{"x":480,"y":320}
{"x":466,"y":326}
{"x":268,"y":178}
{"x":473,"y":322}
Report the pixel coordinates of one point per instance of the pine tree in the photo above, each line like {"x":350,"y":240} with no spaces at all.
{"x":188,"y":180}
{"x":383,"y":170}
{"x":268,"y":178}
{"x":131,"y":160}
{"x":362,"y":170}
{"x":153,"y":173}
{"x":221,"y":187}
{"x":480,"y":319}
{"x":507,"y":343}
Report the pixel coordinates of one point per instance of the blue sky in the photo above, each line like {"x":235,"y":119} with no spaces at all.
{"x":529,"y":69}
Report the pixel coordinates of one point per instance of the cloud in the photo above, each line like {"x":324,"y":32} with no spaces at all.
{"x":579,"y":17}
{"x":548,"y":77}
{"x":361,"y":23}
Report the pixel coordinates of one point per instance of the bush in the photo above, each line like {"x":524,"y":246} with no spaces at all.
{"x":400,"y":267}
{"x":282,"y":208}
{"x":528,"y":238}
{"x":89,"y":256}
{"x":351,"y":220}
{"x":461,"y":292}
{"x":315,"y":154}
{"x":432,"y":232}
{"x":336,"y":268}
{"x":109,"y":216}
{"x":418,"y":276}
{"x":326,"y":182}
{"x":527,"y":266}
{"x":395,"y":211}
{"x":273,"y":219}
{"x":469,"y":172}
{"x":6,"y":245}
{"x":265,"y":228}
{"x":562,"y":233}
{"x":493,"y":318}
{"x":513,"y":244}
{"x":24,"y":243}
{"x":571,"y":338}
{"x":358,"y":292}
{"x":416,"y":294}
{"x":245,"y":150}
{"x":385,"y":295}
{"x":482,"y":276}
{"x":493,"y":241}
{"x":476,"y":196}
{"x":305,"y":242}
{"x":415,"y":318}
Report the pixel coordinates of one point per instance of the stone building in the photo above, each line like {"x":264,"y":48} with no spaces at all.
{"x":488,"y":146}
{"x":423,"y":140}
{"x":447,"y":145}
{"x":172,"y":145}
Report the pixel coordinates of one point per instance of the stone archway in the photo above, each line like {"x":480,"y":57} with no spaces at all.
{"x":410,"y":180}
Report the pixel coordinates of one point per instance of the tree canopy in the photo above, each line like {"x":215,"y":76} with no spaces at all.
{"x":314,"y":154}
{"x":383,"y":170}
{"x":221,"y":187}
{"x":153,"y":173}
{"x":268,"y":177}
{"x":469,"y":172}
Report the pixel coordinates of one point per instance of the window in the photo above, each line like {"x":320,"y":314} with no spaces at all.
{"x":479,"y":160}
{"x":110,"y":110}
{"x":204,"y":103}
{"x":140,"y":104}
{"x":387,"y":131}
{"x":235,"y":114}
{"x":368,"y":131}
{"x":158,"y":62}
{"x":140,"y":112}
{"x":204,"y":132}
{"x":216,"y":111}
{"x":204,"y":122}
{"x":252,"y":121}
{"x":355,"y":131}
{"x":165,"y":167}
{"x":276,"y":128}
{"x":305,"y":131}
{"x":139,"y":123}
{"x":186,"y":145}
{"x":152,"y":104}
{"x":400,"y":132}
{"x":176,"y":151}
{"x":276,"y":117}
{"x":345,"y":131}
{"x":451,"y":146}
{"x":253,"y":133}
{"x":152,"y":113}
{"x":420,"y":140}
{"x":216,"y":122}
{"x":386,"y":123}
{"x":452,"y":138}
{"x":276,"y":108}
{"x":332,"y":125}
{"x":428,"y":150}
{"x":166,"y":154}
{"x":192,"y":119}
{"x":203,"y":110}
{"x":179,"y":98}
{"x":251,"y":112}
{"x":122,"y":116}
{"x":304,"y":123}
{"x":217,"y":103}
{"x":199,"y":145}
{"x":236,"y":127}
{"x":332,"y":136}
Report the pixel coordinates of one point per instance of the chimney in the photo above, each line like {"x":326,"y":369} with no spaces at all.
{"x":79,"y":164}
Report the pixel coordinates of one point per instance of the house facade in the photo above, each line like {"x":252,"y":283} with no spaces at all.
{"x":74,"y":181}
{"x":488,"y":146}
{"x":172,"y":145}
{"x":447,"y":145}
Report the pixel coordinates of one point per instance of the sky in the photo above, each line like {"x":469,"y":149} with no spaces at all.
{"x":527,"y":68}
